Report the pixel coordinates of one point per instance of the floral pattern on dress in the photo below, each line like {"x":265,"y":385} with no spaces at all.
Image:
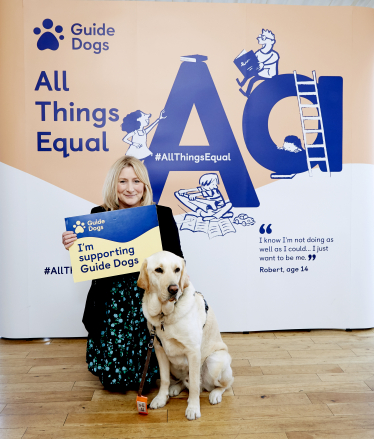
{"x":119,"y":355}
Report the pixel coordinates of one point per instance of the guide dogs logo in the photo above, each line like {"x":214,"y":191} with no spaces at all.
{"x":47,"y":39}
{"x":79,"y":227}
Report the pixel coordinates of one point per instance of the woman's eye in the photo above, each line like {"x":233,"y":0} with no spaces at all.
{"x":159,"y":270}
{"x":177,"y":270}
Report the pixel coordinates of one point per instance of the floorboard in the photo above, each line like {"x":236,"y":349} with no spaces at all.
{"x":315,"y":384}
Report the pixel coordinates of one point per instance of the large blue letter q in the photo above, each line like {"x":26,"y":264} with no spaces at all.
{"x":256,"y":131}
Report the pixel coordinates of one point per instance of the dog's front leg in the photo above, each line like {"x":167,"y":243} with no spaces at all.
{"x":163,"y":395}
{"x":193,"y":408}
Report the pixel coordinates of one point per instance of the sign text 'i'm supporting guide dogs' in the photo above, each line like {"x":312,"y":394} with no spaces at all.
{"x":113,"y":243}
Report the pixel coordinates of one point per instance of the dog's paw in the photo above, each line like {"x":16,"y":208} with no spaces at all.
{"x":215,"y":396}
{"x":175,"y":389}
{"x":158,"y":402}
{"x":193,"y":412}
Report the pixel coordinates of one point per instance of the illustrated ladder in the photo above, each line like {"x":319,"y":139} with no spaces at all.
{"x":304,"y":118}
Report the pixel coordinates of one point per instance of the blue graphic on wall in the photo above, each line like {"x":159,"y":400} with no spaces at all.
{"x":136,"y":124}
{"x":291,"y":144}
{"x":194,"y":85}
{"x":290,"y":159}
{"x":325,"y":102}
{"x":209,"y":212}
{"x":48,"y":40}
{"x":260,"y":65}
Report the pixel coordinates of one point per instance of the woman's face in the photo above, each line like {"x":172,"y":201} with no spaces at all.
{"x":129,"y":188}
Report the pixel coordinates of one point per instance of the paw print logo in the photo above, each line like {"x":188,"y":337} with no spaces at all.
{"x":48,"y":40}
{"x":79,"y":227}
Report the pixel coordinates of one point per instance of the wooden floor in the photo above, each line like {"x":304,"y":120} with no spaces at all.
{"x":295,"y":385}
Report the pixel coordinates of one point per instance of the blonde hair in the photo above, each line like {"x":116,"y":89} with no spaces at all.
{"x":110,"y":184}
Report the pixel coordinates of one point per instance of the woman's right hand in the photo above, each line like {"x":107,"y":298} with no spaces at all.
{"x":68,"y":239}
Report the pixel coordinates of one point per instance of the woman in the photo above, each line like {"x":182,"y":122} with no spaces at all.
{"x":113,"y":317}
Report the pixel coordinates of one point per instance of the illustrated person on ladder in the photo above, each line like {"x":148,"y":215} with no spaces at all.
{"x":268,"y":61}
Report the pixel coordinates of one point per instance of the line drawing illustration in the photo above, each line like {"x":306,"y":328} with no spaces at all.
{"x":136,"y":124}
{"x":322,"y":157}
{"x":210,"y":213}
{"x":260,"y":65}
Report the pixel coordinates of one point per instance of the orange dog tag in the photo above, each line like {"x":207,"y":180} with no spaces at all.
{"x":141,"y":402}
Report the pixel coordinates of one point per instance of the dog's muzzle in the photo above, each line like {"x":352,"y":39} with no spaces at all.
{"x":173,"y":290}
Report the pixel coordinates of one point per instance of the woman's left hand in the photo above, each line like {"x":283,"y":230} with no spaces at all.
{"x":162,"y":115}
{"x":68,"y":239}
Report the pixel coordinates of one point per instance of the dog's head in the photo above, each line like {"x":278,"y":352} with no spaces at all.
{"x":163,"y":274}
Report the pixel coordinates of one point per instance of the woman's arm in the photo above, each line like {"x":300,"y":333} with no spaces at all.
{"x":169,"y":231}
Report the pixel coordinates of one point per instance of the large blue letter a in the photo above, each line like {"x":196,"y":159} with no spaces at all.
{"x":194,"y":85}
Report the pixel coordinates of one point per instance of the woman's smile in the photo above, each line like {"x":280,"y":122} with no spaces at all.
{"x":130,"y":189}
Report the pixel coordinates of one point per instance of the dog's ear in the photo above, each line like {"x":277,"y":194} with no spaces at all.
{"x":184,"y":281}
{"x":143,"y":279}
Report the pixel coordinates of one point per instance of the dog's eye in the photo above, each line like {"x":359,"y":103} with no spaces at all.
{"x":177,"y":270}
{"x":159,"y":270}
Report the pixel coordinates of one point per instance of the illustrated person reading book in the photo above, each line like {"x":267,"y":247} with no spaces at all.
{"x":137,"y":128}
{"x":267,"y":62}
{"x":206,"y":200}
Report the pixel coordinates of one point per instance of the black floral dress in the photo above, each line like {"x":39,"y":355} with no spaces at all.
{"x":117,"y":356}
{"x":117,"y":329}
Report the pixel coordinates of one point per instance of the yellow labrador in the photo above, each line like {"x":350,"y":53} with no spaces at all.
{"x":188,"y":344}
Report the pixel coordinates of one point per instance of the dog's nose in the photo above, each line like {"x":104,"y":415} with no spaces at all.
{"x":173,"y":289}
